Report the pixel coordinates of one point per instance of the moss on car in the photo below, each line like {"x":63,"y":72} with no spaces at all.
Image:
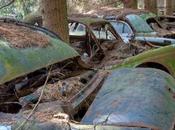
{"x":161,"y":58}
{"x":15,"y":61}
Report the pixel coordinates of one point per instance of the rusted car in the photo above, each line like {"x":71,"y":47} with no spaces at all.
{"x":98,"y":43}
{"x":140,"y":98}
{"x":77,"y":105}
{"x":151,"y":19}
{"x":131,"y":26}
{"x":129,"y":99}
{"x":68,"y":75}
{"x":92,"y":37}
{"x":27,"y":55}
{"x":156,"y":25}
{"x":25,"y":64}
{"x":33,"y":58}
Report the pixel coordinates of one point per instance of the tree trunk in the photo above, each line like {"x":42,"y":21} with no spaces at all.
{"x":54,"y":13}
{"x":130,"y":4}
{"x":151,"y":5}
{"x":169,"y":7}
{"x":173,"y":7}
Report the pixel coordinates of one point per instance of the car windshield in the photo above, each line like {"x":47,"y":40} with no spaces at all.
{"x":139,"y":24}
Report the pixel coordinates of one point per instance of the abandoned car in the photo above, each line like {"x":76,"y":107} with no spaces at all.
{"x":95,"y":39}
{"x":28,"y":54}
{"x":129,"y":29}
{"x":168,"y":21}
{"x":92,"y":37}
{"x":131,"y":26}
{"x":68,"y":84}
{"x":152,"y":21}
{"x":129,"y":99}
{"x":25,"y":64}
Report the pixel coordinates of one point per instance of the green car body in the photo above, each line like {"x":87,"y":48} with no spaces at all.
{"x":162,"y":58}
{"x":16,"y":62}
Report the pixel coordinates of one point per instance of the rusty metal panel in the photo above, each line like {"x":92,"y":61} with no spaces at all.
{"x":135,"y":98}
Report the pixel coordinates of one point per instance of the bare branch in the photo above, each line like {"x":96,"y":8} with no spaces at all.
{"x":12,"y":1}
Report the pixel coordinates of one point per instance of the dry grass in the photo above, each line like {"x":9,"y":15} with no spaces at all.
{"x":54,"y":91}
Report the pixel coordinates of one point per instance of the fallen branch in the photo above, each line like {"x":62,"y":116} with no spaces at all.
{"x":36,"y":105}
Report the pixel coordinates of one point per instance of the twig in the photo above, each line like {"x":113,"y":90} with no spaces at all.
{"x":31,"y":113}
{"x":12,"y":1}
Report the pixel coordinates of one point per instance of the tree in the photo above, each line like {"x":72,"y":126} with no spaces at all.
{"x":54,"y":14}
{"x":173,"y":6}
{"x":151,"y":5}
{"x":17,"y":8}
{"x":130,"y":4}
{"x":170,"y":6}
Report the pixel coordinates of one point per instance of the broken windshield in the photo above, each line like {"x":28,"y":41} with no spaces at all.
{"x":139,"y":24}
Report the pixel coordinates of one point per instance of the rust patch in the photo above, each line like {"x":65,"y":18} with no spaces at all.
{"x":22,"y":37}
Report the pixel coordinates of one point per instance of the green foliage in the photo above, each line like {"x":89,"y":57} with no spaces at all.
{"x":19,"y":8}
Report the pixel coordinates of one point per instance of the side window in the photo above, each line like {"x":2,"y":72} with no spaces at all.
{"x":127,"y":29}
{"x":122,"y":27}
{"x":119,"y":27}
{"x":80,"y":27}
{"x":77,"y":29}
{"x":72,"y":26}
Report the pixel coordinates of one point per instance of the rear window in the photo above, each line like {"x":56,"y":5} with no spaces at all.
{"x":139,"y":24}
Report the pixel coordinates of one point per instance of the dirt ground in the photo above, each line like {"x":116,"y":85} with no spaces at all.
{"x":22,"y":37}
